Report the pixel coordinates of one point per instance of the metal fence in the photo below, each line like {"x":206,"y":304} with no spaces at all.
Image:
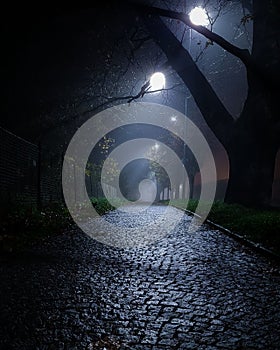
{"x":31,"y":174}
{"x":28,"y":173}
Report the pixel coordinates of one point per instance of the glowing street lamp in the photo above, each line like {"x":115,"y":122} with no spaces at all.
{"x":157,"y":81}
{"x":156,"y":146}
{"x":199,"y":17}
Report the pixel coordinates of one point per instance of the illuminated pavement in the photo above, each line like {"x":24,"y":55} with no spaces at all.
{"x":188,"y":291}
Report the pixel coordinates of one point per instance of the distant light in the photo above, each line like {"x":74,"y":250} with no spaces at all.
{"x":157,"y":81}
{"x":173,"y":119}
{"x":198,"y":16}
{"x":156,"y":146}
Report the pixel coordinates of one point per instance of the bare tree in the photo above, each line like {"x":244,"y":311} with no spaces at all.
{"x":252,"y":141}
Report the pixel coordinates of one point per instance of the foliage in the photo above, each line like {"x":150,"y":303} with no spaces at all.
{"x":106,"y":144}
{"x":24,"y":224}
{"x":101,"y":205}
{"x":112,"y":170}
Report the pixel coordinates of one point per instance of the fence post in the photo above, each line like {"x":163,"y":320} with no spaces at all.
{"x":61,"y":185}
{"x":39,"y":201}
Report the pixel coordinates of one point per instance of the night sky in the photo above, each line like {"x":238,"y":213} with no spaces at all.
{"x":45,"y":56}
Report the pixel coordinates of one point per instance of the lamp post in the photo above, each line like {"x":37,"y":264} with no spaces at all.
{"x":198,"y":16}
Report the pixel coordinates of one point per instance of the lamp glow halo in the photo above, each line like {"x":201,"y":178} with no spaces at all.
{"x":89,"y":134}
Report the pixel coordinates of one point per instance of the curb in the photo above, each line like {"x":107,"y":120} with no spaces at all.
{"x":255,"y":246}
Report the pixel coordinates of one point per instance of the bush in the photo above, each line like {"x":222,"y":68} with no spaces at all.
{"x":103,"y":206}
{"x":22,"y":224}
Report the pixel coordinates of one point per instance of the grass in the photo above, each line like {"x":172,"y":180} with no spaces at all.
{"x":103,"y":206}
{"x":23,"y":224}
{"x":257,"y":225}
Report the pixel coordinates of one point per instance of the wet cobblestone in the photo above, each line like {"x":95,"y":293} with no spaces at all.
{"x":197,"y":290}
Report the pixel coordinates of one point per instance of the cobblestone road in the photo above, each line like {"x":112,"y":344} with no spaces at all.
{"x":197,"y":290}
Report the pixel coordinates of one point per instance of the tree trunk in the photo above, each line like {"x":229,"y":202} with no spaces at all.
{"x":191,"y":185}
{"x":251,"y":174}
{"x":211,"y":107}
{"x":252,"y":141}
{"x":255,"y":140}
{"x":252,"y":148}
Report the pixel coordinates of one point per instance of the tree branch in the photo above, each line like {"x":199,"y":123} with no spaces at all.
{"x":211,"y":107}
{"x":268,"y":79}
{"x":242,"y":54}
{"x":127,"y":98}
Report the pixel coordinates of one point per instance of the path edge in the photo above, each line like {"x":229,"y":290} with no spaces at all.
{"x":238,"y":237}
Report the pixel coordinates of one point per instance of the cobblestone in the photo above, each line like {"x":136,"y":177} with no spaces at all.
{"x":197,"y":290}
